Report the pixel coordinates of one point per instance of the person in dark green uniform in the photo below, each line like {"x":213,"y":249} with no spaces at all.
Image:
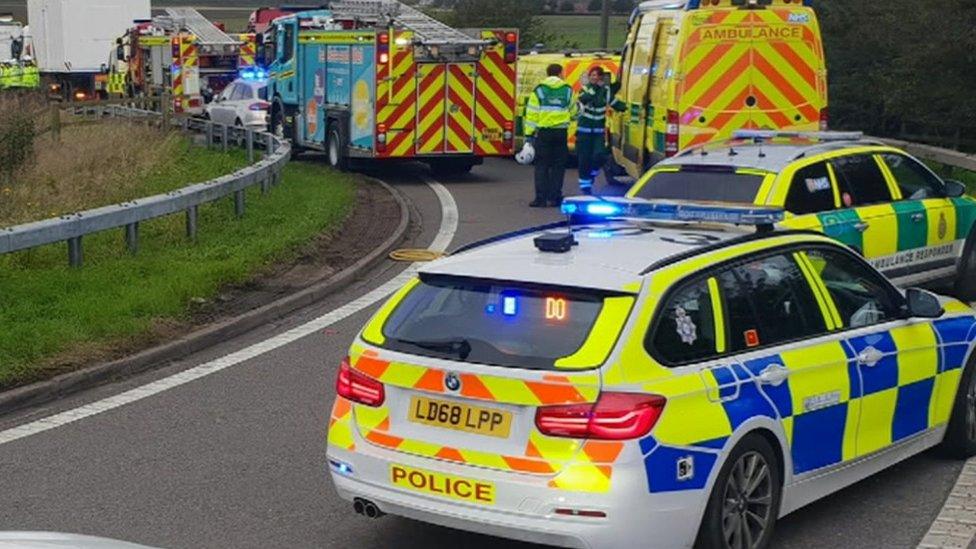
{"x":591,"y":129}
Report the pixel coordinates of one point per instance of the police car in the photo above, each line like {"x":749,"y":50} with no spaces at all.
{"x":669,"y":376}
{"x":891,"y":208}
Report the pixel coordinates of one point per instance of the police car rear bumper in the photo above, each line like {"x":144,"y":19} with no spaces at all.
{"x":525,"y":507}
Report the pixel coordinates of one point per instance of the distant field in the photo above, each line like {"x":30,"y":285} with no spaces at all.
{"x":584,"y":30}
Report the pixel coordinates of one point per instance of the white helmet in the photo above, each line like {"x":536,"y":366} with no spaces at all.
{"x":526,"y":155}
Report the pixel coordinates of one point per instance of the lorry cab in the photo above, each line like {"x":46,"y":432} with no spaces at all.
{"x":385,"y":82}
{"x":695,"y":71}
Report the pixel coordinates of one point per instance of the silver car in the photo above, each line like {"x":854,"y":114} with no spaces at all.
{"x":241,"y":104}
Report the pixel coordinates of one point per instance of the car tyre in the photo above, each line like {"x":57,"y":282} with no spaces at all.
{"x":744,"y":504}
{"x":334,"y":149}
{"x":966,"y":282}
{"x":960,"y":437}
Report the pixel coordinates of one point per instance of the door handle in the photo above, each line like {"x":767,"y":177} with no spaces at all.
{"x":774,"y":374}
{"x":870,"y":357}
{"x":918,"y":217}
{"x":862,"y":226}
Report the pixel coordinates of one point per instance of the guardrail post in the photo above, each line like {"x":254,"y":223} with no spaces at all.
{"x":210,"y":135}
{"x":74,"y":251}
{"x":224,"y":132}
{"x":55,"y":122}
{"x":132,"y":237}
{"x":239,"y":203}
{"x":249,"y":140}
{"x":191,"y":223}
{"x":164,"y":107}
{"x":269,"y":143}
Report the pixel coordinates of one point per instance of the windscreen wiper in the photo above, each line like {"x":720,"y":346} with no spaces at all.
{"x":460,"y":347}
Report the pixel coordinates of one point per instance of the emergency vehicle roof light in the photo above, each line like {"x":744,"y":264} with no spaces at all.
{"x":639,"y":209}
{"x":820,"y":136}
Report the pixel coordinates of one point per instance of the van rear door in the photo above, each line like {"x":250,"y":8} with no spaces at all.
{"x":750,"y":68}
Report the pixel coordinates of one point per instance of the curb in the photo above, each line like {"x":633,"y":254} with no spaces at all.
{"x":63,"y":385}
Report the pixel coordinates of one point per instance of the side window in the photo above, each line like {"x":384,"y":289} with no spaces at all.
{"x":861,"y":296}
{"x":288,"y":50}
{"x":810,"y":191}
{"x":915,"y":180}
{"x":861,"y":180}
{"x":768,"y":301}
{"x":239,"y":93}
{"x":685,"y":330}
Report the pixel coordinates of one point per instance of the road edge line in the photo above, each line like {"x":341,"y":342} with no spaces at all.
{"x":63,"y":385}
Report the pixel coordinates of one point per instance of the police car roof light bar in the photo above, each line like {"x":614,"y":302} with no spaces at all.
{"x":820,"y":136}
{"x":638,"y":209}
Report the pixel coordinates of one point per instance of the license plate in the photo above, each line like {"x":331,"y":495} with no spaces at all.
{"x":491,"y":134}
{"x":439,"y":484}
{"x":460,"y":417}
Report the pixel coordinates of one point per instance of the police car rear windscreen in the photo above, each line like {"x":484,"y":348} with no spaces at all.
{"x":493,"y":323}
{"x":702,"y":186}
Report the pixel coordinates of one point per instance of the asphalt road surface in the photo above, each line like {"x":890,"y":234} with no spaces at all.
{"x":237,"y":458}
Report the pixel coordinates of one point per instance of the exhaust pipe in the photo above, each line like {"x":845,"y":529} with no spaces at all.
{"x":366,"y":508}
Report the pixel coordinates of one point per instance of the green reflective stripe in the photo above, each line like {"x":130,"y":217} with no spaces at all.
{"x":839,"y":225}
{"x":965,"y":216}
{"x":911,"y":234}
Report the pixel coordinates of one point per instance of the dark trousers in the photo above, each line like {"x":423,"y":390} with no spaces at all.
{"x":591,"y":152}
{"x":551,"y":151}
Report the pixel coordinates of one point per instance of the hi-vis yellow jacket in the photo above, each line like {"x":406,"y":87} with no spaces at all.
{"x":550,"y":106}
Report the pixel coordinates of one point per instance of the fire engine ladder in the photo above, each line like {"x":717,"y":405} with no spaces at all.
{"x":428,"y":31}
{"x":201,"y":27}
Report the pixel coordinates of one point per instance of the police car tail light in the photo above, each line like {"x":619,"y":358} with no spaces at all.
{"x":260,"y":106}
{"x":358,"y":387}
{"x":615,"y":416}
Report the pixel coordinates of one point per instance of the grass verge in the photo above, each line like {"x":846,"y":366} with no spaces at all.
{"x":55,"y":318}
{"x":106,"y":163}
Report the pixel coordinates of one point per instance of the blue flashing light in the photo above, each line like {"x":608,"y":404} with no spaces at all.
{"x":341,"y":467}
{"x":490,"y":309}
{"x":509,"y":305}
{"x":661,"y":210}
{"x":602,"y":209}
{"x":253,"y":74}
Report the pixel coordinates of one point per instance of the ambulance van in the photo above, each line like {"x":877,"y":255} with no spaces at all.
{"x":695,"y":71}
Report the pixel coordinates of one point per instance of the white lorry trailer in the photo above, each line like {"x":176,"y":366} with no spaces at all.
{"x":71,"y":40}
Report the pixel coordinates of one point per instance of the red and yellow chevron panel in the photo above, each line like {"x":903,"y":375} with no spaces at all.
{"x":573,"y":464}
{"x":249,"y":50}
{"x":495,"y":98}
{"x":460,"y":108}
{"x":189,"y":56}
{"x":396,"y":98}
{"x":774,"y":81}
{"x":431,"y":78}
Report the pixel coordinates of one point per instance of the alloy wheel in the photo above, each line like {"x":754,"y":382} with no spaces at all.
{"x":747,"y":502}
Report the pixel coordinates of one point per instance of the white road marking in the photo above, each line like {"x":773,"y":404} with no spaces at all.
{"x":448,"y":228}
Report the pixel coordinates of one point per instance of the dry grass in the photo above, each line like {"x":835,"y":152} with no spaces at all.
{"x":91,"y":166}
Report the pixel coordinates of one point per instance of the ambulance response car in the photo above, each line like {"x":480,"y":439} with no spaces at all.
{"x":646,"y":382}
{"x":380,"y":81}
{"x":694,"y":71}
{"x":880,"y":201}
{"x":576,"y":68}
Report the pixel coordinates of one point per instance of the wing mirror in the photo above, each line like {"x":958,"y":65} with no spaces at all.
{"x":954,"y":189}
{"x":922,"y":304}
